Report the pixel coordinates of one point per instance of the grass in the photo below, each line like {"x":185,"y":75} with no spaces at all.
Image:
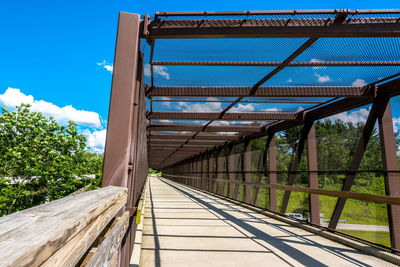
{"x":382,"y":238}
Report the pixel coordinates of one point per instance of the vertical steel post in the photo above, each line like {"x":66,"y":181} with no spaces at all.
{"x":198,"y":171}
{"x":390,"y":169}
{"x":220,"y":161}
{"x":231,"y":169}
{"x":205,"y":172}
{"x":247,"y":171}
{"x":124,"y":89}
{"x":211,"y":173}
{"x":312,"y":166}
{"x":260,"y":173}
{"x":272,"y":172}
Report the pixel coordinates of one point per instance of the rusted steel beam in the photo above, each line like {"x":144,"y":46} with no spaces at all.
{"x":391,"y":169}
{"x":275,"y":64}
{"x":276,"y":12}
{"x":312,"y":166}
{"x":263,"y":91}
{"x":355,"y":164}
{"x":179,"y":142}
{"x":272,"y":172}
{"x":170,"y":145}
{"x":247,"y":171}
{"x":197,"y":128}
{"x":194,"y":149}
{"x":231,"y":169}
{"x":220,"y":162}
{"x":295,"y":163}
{"x":211,"y":174}
{"x":276,"y":28}
{"x":209,"y":137}
{"x":245,"y":116}
{"x":204,"y":172}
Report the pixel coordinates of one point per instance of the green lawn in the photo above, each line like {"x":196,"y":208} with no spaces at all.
{"x":382,"y":238}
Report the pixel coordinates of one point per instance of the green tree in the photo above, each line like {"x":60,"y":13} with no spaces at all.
{"x":41,"y":160}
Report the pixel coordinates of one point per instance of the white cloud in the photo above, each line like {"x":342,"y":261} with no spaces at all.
{"x":396,"y":125}
{"x":360,"y":115}
{"x":243,"y":108}
{"x":165,"y":121}
{"x":160,"y":70}
{"x":201,"y":107}
{"x":96,"y":140}
{"x":13,"y":97}
{"x":290,"y":80}
{"x":316,"y":60}
{"x":323,"y":78}
{"x":107,"y":66}
{"x":164,"y":98}
{"x":359,"y":83}
{"x":271,"y":109}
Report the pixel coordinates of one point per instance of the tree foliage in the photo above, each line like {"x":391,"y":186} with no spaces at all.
{"x":41,"y":160}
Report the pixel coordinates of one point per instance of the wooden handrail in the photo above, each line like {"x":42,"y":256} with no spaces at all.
{"x":58,"y":233}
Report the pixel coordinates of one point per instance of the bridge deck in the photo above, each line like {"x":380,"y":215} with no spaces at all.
{"x":186,"y":227}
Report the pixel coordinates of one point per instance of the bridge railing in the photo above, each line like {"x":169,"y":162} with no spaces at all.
{"x":222,"y":187}
{"x":79,"y":229}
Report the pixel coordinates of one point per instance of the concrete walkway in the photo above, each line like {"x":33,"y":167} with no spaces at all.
{"x":185,"y":227}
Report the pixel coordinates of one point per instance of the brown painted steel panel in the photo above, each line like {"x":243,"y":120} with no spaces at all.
{"x":247,"y":171}
{"x":120,"y":117}
{"x":312,"y":166}
{"x":276,"y":28}
{"x":276,"y":64}
{"x":272,"y":173}
{"x":197,"y":128}
{"x":391,"y":168}
{"x":258,"y":116}
{"x":270,"y":91}
{"x":224,"y":137}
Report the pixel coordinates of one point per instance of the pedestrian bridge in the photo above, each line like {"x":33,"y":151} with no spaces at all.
{"x":248,"y":116}
{"x":186,"y":227}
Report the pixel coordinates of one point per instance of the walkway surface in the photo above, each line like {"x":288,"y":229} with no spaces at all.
{"x":186,"y":227}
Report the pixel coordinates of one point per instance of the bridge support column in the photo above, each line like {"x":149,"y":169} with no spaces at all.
{"x":204,"y":173}
{"x":220,"y":162}
{"x":272,"y":171}
{"x":247,"y":171}
{"x":211,"y":184}
{"x":231,"y":169}
{"x":390,"y":169}
{"x":312,"y":166}
{"x":123,"y":162}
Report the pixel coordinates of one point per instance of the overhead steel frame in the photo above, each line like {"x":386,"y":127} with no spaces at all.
{"x":125,"y":161}
{"x":351,"y":97}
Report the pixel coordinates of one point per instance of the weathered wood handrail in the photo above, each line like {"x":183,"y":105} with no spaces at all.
{"x":58,"y":233}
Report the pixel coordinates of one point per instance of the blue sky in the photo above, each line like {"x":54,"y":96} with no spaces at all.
{"x":53,"y":50}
